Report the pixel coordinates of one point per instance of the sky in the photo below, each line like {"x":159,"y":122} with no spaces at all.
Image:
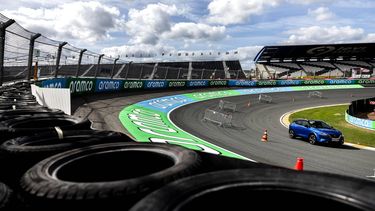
{"x":237,"y":29}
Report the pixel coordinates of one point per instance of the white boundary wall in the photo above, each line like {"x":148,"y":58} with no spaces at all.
{"x":53,"y":98}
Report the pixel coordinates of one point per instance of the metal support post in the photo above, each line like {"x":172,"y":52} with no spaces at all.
{"x":61,"y":45}
{"x":79,"y":61}
{"x":3,"y":27}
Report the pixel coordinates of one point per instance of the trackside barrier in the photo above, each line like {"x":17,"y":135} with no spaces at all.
{"x":90,"y":85}
{"x":217,"y":117}
{"x":265,"y":98}
{"x":361,"y":107}
{"x":53,"y":98}
{"x":315,"y":94}
{"x":226,"y":105}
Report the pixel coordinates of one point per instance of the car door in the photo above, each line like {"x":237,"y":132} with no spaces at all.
{"x":304,"y":129}
{"x":298,"y":127}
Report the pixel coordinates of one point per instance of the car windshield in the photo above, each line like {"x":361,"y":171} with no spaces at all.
{"x":319,"y":124}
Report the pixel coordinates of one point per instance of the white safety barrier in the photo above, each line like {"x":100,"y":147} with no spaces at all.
{"x":226,"y":105}
{"x":53,"y":98}
{"x":217,"y":117}
{"x":265,"y":98}
{"x":316,"y":94}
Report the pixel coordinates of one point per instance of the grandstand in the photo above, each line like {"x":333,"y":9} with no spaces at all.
{"x":315,"y":61}
{"x":184,"y":70}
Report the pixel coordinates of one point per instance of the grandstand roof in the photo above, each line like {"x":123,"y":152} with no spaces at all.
{"x":318,"y":52}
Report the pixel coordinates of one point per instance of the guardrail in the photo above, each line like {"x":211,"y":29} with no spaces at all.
{"x":361,"y":106}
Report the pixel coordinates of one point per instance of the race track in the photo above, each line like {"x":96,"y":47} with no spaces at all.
{"x":249,"y":122}
{"x":244,"y":138}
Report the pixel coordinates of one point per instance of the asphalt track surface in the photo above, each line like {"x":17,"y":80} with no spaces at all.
{"x":249,"y":123}
{"x":244,"y":137}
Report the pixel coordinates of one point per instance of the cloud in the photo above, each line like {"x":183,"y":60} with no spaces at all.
{"x":236,"y":11}
{"x":321,"y":14}
{"x":312,"y":1}
{"x":333,"y":34}
{"x":87,"y":21}
{"x":227,"y":12}
{"x":196,"y":31}
{"x":153,"y":24}
{"x":145,"y":26}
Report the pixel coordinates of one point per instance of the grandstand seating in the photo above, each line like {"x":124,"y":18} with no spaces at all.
{"x":161,"y":70}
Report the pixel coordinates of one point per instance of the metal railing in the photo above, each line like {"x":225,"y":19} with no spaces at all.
{"x":25,"y":55}
{"x":217,"y":117}
{"x":264,"y":98}
{"x":226,"y":105}
{"x":316,"y":94}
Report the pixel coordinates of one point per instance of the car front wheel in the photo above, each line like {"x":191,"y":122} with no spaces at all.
{"x":292,"y":134}
{"x":312,"y":139}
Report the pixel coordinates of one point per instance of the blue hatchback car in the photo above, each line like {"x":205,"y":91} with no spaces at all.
{"x":315,"y":131}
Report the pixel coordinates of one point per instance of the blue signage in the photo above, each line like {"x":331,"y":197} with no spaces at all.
{"x":197,"y":83}
{"x":155,"y":84}
{"x":242,"y":83}
{"x":54,"y":83}
{"x":106,"y":85}
{"x":340,"y":81}
{"x":289,"y":82}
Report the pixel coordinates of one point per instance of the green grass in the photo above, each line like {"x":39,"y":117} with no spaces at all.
{"x":335,"y":116}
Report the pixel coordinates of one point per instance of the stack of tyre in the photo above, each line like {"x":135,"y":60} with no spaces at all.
{"x":49,"y":160}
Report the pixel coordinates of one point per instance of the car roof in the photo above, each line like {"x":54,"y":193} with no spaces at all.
{"x":315,"y":120}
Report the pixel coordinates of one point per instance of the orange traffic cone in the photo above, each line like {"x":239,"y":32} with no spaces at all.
{"x":265,"y":136}
{"x":299,"y":164}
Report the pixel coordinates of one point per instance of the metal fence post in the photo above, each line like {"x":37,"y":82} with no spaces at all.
{"x":166,"y":73}
{"x":79,"y":61}
{"x":140,"y":75}
{"x":128,"y":69}
{"x":178,"y":74}
{"x":98,"y":66}
{"x":31,"y":54}
{"x":114,"y":66}
{"x":3,"y":27}
{"x":61,"y":45}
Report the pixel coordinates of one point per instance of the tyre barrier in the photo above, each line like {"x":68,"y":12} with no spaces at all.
{"x":9,"y":105}
{"x":11,"y":114}
{"x":6,"y":196}
{"x":24,"y":152}
{"x":29,"y":125}
{"x":266,"y":189}
{"x":106,"y":176}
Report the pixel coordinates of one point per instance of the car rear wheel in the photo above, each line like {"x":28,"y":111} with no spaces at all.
{"x":312,"y":139}
{"x":292,"y":134}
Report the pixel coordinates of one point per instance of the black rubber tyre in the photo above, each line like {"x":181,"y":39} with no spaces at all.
{"x":107,"y":175}
{"x":338,"y":144}
{"x":19,"y":154}
{"x":291,"y":134}
{"x":5,"y":197}
{"x":312,"y":139}
{"x":28,"y":112}
{"x":23,"y":126}
{"x":265,"y":189}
